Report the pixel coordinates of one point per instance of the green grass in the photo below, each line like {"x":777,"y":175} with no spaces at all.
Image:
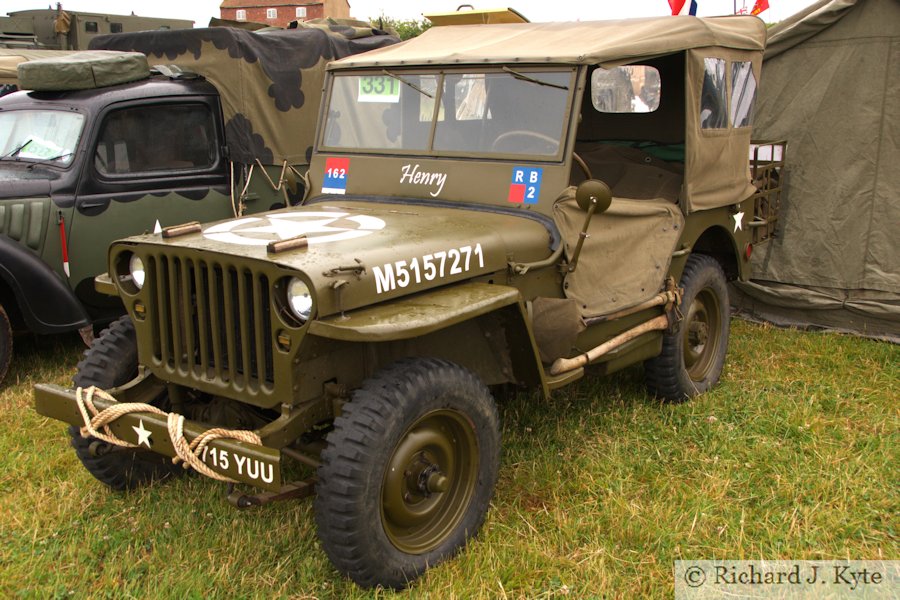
{"x":793,"y":456}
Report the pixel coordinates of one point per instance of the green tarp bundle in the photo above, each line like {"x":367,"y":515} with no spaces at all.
{"x":831,"y":88}
{"x":83,"y":71}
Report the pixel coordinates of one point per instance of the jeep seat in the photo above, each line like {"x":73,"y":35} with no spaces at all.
{"x":630,"y":172}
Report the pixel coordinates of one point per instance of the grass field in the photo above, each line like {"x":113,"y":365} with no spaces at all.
{"x":795,"y":456}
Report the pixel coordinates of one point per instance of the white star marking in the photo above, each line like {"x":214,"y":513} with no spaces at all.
{"x":738,"y":221}
{"x":317,"y":226}
{"x":286,"y":228}
{"x":143,"y":434}
{"x":157,"y":228}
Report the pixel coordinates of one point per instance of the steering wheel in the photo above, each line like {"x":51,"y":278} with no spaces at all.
{"x":550,"y":144}
{"x":583,"y":165}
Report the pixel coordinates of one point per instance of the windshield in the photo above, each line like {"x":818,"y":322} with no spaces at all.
{"x":40,"y":135}
{"x":492,"y":112}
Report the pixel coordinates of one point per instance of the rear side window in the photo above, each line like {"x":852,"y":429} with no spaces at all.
{"x":743,"y":94}
{"x":629,"y":89}
{"x":159,"y":138}
{"x":714,"y":99}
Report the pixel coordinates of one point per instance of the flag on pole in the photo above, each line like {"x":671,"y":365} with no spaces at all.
{"x":687,"y":7}
{"x":760,"y":6}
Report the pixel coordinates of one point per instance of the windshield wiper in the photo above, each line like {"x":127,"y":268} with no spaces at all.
{"x":46,"y":161}
{"x":524,"y":77}
{"x":16,"y":150}
{"x":409,"y":83}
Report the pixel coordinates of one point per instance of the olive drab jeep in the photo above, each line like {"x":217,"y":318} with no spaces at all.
{"x":490,"y":204}
{"x":103,"y":148}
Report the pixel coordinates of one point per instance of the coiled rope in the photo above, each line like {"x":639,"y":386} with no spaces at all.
{"x":96,"y":424}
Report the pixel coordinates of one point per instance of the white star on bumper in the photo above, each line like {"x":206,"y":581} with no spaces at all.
{"x":143,"y":434}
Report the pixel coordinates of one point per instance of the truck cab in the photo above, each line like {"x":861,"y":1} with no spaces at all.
{"x":82,"y":168}
{"x":103,"y":147}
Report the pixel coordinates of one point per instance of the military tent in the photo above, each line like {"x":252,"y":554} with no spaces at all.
{"x":831,"y":87}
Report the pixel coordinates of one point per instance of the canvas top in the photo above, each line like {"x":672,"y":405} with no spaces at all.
{"x":588,"y":42}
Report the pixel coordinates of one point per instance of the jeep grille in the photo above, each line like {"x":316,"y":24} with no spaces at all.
{"x":211,"y":321}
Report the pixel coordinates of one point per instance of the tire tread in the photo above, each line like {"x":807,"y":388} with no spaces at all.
{"x":663,"y":374}
{"x":342,"y":476}
{"x":111,"y":361}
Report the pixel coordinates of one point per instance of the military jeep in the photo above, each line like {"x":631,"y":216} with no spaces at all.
{"x":492,"y":205}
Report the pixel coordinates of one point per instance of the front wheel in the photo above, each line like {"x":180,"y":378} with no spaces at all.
{"x":112,"y":361}
{"x":408,"y":472}
{"x":693,"y":356}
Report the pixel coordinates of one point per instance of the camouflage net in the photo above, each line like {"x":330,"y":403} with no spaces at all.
{"x":96,"y":424}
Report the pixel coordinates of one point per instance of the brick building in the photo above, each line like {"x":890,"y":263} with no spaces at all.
{"x":281,"y":12}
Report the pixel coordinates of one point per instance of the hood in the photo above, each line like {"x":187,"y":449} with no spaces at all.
{"x":381,"y":249}
{"x":20,"y":182}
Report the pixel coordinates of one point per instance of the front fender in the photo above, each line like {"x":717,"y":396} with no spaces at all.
{"x":438,"y":310}
{"x":417,"y":315}
{"x":45,"y":301}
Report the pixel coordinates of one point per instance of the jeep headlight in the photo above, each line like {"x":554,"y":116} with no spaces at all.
{"x":299,"y":299}
{"x":136,"y":269}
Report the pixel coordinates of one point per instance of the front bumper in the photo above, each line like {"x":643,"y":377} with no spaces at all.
{"x":252,"y":464}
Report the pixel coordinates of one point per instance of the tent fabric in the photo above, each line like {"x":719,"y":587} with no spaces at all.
{"x":831,"y":88}
{"x":270,"y":83}
{"x":587,"y":42}
{"x":805,"y":24}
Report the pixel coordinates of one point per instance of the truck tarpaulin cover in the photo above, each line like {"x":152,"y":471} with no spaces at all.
{"x":831,"y":88}
{"x":270,"y":83}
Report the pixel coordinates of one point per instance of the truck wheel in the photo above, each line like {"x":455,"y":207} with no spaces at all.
{"x":692,"y":357}
{"x":408,"y":472}
{"x":6,"y":343}
{"x":109,"y":362}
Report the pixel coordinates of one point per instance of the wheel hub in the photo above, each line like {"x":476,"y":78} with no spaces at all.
{"x":423,"y":478}
{"x":437,"y":482}
{"x":698,"y":333}
{"x":429,"y":481}
{"x":702,"y":326}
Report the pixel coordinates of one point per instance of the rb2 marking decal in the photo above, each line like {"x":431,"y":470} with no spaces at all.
{"x":526,"y":185}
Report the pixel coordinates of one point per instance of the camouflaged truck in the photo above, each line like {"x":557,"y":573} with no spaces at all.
{"x":491,"y":204}
{"x":102,"y":149}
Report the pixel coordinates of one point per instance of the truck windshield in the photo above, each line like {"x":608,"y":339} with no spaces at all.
{"x":40,"y":135}
{"x":500,"y":112}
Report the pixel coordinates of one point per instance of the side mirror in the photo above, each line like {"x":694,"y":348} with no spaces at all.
{"x":593,"y":197}
{"x":593,"y":192}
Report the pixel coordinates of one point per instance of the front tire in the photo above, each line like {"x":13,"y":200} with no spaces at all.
{"x":408,"y":472}
{"x":110,"y":362}
{"x":693,"y":357}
